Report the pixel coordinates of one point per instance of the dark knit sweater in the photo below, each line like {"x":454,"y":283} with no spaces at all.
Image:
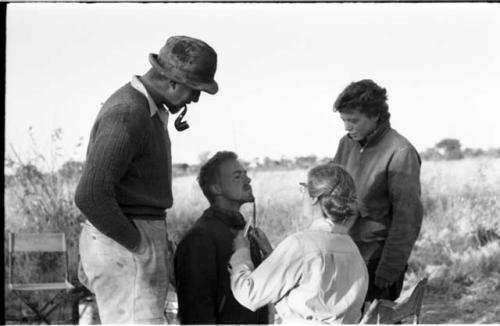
{"x":128,"y":171}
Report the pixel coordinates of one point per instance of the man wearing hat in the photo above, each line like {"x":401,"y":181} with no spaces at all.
{"x":126,"y":184}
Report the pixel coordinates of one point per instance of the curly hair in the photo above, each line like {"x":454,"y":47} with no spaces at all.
{"x":335,"y":190}
{"x":209,"y":172}
{"x":365,"y":96}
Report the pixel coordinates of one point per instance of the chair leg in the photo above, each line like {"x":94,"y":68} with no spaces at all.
{"x":75,"y":314}
{"x":53,"y":303}
{"x":47,"y":308}
{"x":32,"y":307}
{"x":89,"y":314}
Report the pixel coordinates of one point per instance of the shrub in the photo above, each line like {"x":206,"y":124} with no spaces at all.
{"x":40,"y":202}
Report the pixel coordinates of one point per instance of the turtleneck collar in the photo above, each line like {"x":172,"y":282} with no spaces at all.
{"x":233,"y":219}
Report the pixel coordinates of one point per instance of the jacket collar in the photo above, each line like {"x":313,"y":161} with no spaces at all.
{"x":377,"y":134}
{"x":232,"y":219}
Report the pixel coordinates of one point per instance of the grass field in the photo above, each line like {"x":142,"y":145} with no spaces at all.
{"x":458,"y":248}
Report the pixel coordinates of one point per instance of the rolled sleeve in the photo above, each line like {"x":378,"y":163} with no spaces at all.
{"x":241,"y":258}
{"x":274,"y":277}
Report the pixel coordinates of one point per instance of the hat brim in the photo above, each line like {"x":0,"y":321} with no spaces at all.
{"x":210,"y":88}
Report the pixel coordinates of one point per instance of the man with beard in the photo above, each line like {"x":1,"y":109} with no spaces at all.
{"x":386,"y":169}
{"x":202,"y":256}
{"x":126,"y":184}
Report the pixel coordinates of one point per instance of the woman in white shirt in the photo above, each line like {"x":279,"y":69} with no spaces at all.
{"x":315,"y":275}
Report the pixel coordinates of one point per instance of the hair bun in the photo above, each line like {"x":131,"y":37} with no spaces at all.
{"x":335,"y":190}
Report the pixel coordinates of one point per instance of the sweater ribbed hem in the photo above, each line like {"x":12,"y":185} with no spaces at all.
{"x":143,"y":212}
{"x":147,"y":217}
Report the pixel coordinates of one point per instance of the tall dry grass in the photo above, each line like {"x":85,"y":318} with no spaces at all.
{"x":458,"y":243}
{"x":39,"y":199}
{"x":277,"y":200}
{"x":458,"y":246}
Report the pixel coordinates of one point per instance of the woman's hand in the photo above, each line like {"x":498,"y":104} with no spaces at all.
{"x":260,"y":237}
{"x":240,"y":241}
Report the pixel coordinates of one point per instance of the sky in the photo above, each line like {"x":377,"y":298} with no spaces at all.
{"x":280,"y":68}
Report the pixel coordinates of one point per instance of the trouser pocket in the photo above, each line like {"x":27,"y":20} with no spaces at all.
{"x":130,"y":287}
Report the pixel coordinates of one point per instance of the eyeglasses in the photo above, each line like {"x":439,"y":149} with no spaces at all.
{"x":303,"y":187}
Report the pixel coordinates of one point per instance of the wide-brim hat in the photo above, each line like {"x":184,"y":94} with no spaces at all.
{"x":188,"y":61}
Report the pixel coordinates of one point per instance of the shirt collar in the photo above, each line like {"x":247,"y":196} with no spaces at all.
{"x":324,"y":224}
{"x":153,"y":108}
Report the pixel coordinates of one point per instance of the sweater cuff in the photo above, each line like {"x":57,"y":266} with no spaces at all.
{"x":388,"y":274}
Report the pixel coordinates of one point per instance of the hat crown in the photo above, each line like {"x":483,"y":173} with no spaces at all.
{"x":188,"y":60}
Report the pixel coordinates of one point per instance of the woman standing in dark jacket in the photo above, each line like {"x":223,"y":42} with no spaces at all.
{"x":386,"y":169}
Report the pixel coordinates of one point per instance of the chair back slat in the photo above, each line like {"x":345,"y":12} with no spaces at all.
{"x":42,"y":242}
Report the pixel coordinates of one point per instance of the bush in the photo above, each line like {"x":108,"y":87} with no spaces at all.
{"x":41,"y":202}
{"x":459,"y":242}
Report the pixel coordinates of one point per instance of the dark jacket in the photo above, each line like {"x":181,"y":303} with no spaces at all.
{"x":386,"y":171}
{"x":201,"y":271}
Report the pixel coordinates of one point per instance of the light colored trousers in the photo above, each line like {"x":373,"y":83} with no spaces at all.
{"x":130,"y":288}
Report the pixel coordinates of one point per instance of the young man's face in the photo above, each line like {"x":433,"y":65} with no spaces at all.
{"x":358,"y":125}
{"x":234,"y":183}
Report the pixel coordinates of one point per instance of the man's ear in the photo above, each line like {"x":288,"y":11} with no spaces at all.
{"x":215,"y":189}
{"x":173,"y":84}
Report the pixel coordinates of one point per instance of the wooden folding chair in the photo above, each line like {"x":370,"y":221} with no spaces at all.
{"x":407,"y":305}
{"x":40,"y":243}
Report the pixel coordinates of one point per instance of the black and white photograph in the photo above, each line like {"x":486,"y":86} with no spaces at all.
{"x":252,"y":163}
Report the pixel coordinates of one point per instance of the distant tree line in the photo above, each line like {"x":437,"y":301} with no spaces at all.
{"x":264,"y":164}
{"x":72,"y":170}
{"x":451,"y":149}
{"x":446,"y":149}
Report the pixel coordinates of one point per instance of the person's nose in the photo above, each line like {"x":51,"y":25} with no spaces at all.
{"x":347,"y":126}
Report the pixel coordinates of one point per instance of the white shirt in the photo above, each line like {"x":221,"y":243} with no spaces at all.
{"x":153,"y":109}
{"x":315,"y":275}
